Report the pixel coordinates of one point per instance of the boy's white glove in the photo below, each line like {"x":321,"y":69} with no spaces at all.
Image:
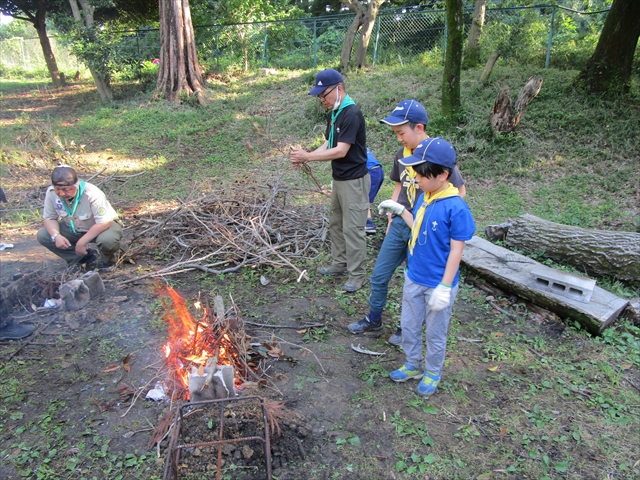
{"x":390,"y":206}
{"x":440,"y":298}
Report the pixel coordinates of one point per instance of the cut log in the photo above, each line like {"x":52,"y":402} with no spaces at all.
{"x":594,"y":252}
{"x":511,"y":272}
{"x":505,"y":117}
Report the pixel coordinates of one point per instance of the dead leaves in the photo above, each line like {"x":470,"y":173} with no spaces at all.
{"x":116,"y":366}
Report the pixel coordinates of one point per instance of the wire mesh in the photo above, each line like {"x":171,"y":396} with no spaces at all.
{"x":521,"y":34}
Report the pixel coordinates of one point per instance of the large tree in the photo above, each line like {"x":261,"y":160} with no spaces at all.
{"x":364,"y":20}
{"x":180,"y":70}
{"x":35,"y":12}
{"x":453,"y":58}
{"x":609,"y":69}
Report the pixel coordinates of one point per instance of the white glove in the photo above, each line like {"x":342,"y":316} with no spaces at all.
{"x":440,"y":298}
{"x":390,"y":206}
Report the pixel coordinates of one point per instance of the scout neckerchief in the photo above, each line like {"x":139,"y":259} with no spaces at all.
{"x":412,"y":184}
{"x":334,"y":115}
{"x":71,"y":211}
{"x":450,"y":191}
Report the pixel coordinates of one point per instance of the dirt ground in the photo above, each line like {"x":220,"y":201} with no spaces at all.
{"x":499,"y":411}
{"x":342,"y":415}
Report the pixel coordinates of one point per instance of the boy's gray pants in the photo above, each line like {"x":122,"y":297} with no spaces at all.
{"x":108,"y":241}
{"x":415,"y":316}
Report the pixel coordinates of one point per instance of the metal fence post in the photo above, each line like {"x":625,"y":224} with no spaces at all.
{"x":375,"y":49}
{"x":264,"y":48}
{"x":446,"y":31}
{"x":315,"y":45}
{"x":553,"y":16}
{"x":24,"y":63}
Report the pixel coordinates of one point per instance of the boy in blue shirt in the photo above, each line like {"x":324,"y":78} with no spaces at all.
{"x":377,"y":176}
{"x":440,"y":224}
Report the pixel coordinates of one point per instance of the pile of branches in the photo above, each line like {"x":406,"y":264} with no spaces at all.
{"x":254,"y":221}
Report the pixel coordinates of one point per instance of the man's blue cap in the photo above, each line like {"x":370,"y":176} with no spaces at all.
{"x":433,"y":150}
{"x":407,"y":111}
{"x":326,"y":78}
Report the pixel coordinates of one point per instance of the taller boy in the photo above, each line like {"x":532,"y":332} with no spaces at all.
{"x":408,"y":121}
{"x":346,"y":148}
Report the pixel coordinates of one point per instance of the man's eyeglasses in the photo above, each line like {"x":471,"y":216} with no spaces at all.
{"x":322,"y":96}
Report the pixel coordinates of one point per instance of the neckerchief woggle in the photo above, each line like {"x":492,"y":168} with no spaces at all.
{"x":72,"y":211}
{"x":334,"y":115}
{"x":450,"y":191}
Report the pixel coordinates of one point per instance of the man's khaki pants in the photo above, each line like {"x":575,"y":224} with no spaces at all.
{"x":108,"y":242}
{"x":347,"y":219}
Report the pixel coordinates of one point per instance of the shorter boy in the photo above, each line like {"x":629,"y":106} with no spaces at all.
{"x":377,"y":176}
{"x":440,"y":224}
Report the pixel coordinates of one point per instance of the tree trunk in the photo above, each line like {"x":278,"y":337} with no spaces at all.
{"x":365,"y":35}
{"x":179,"y":67}
{"x":472,"y":52}
{"x":595,"y":252}
{"x":609,"y":68}
{"x":452,"y":61}
{"x":102,"y":82}
{"x":488,"y":68}
{"x":49,"y":57}
{"x":347,"y":46}
{"x":504,"y":116}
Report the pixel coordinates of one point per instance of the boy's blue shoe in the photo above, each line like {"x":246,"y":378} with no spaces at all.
{"x":428,"y":385}
{"x":370,"y":228}
{"x":404,"y":373}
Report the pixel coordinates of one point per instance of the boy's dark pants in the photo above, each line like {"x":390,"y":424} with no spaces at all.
{"x":108,"y":242}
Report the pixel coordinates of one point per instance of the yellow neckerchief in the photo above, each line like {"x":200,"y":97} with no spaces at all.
{"x":450,"y":191}
{"x":412,"y":185}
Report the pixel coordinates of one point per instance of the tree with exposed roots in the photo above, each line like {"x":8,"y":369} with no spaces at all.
{"x":450,"y":102}
{"x":180,"y":71}
{"x":610,"y":66}
{"x":35,"y":12}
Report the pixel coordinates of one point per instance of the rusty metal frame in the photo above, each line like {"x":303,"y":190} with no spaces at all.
{"x":173,"y":451}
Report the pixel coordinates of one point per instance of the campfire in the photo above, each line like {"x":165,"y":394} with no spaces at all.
{"x":206,"y":352}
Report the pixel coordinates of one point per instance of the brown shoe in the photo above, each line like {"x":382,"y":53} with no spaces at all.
{"x":354,"y":284}
{"x":333,"y":270}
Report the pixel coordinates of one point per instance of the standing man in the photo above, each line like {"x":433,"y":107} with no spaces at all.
{"x":346,"y":148}
{"x":75,"y":214}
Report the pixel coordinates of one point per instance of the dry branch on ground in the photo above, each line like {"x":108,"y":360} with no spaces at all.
{"x":251,"y":222}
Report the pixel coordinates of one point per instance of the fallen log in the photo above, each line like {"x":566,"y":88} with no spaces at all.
{"x":569,"y":297}
{"x":595,"y":252}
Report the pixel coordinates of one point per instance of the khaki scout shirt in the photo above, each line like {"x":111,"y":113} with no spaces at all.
{"x":93,"y":208}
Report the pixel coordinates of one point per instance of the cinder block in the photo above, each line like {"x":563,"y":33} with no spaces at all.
{"x":75,"y":295}
{"x":94,"y":282}
{"x":563,"y":284}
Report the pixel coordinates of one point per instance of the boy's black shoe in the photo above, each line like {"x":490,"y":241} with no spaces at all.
{"x":364,"y":325}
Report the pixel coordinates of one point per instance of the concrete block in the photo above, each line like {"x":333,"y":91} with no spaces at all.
{"x":563,"y":283}
{"x":94,"y":282}
{"x":75,"y":295}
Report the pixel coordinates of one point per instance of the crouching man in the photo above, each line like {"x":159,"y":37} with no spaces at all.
{"x":75,"y":214}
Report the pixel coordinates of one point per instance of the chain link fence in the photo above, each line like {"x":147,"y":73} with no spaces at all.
{"x":543,"y":36}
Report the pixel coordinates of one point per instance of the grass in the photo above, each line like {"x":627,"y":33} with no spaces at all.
{"x":521,"y":402}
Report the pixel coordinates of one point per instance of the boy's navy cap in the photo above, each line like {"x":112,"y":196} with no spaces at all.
{"x":433,"y":150}
{"x":325,"y":78}
{"x":407,"y":111}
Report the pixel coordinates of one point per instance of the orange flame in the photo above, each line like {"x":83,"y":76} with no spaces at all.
{"x":192,"y":342}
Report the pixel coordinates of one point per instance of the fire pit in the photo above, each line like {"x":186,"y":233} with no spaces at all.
{"x":220,"y":426}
